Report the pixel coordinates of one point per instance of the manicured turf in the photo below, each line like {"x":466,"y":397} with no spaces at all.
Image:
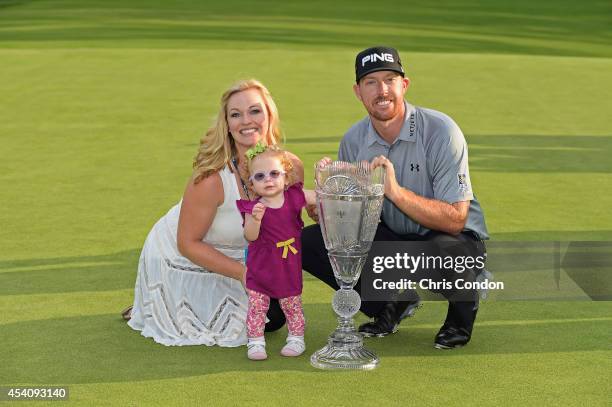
{"x":102,"y":107}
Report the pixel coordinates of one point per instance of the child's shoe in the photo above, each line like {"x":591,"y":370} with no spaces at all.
{"x":295,"y":346}
{"x":256,"y":349}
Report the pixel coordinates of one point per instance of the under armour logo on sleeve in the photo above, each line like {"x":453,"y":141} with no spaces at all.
{"x":414,"y":167}
{"x":463,"y":182}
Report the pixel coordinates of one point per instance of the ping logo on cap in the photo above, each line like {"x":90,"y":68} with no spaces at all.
{"x":377,"y":59}
{"x":386,"y":57}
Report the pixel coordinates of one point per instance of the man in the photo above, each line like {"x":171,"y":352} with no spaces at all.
{"x":428,"y":191}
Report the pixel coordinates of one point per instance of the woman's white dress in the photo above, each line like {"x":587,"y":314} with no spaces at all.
{"x":179,"y":303}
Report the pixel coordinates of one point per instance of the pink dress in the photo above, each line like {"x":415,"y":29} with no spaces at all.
{"x":274,"y":260}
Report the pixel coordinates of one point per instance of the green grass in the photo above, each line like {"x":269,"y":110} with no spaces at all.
{"x":102,"y":106}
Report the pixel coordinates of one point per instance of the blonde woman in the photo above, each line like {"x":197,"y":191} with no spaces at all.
{"x":190,"y":283}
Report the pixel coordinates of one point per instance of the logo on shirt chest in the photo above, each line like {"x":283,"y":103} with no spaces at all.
{"x":414,"y":167}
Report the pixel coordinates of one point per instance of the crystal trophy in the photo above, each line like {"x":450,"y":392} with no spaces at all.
{"x":349,"y":202}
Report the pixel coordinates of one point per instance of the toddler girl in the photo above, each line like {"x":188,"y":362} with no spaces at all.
{"x":273,"y":225}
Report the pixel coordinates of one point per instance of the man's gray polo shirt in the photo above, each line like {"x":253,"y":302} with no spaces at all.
{"x":430,"y":158}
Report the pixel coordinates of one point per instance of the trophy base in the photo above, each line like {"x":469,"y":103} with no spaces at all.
{"x":347,"y":354}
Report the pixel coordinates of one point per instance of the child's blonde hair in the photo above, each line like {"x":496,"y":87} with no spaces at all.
{"x":273,"y":151}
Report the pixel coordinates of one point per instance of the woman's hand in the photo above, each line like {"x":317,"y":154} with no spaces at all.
{"x":392,"y":188}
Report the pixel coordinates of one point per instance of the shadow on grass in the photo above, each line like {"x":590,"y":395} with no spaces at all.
{"x":103,"y":348}
{"x":12,"y":3}
{"x":445,"y":26}
{"x":69,"y":274}
{"x":553,"y":235}
{"x":538,"y":337}
{"x":118,"y":271}
{"x":520,"y":153}
{"x":528,"y":153}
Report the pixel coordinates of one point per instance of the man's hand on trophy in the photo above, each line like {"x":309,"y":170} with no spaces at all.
{"x":258,"y":211}
{"x":392,"y":188}
{"x":323,"y":162}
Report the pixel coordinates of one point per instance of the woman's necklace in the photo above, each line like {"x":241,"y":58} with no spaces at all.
{"x":244,"y":187}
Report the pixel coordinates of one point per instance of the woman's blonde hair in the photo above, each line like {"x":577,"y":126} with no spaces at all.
{"x":282,"y":155}
{"x":217,"y":147}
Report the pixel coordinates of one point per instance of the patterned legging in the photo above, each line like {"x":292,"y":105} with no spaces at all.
{"x":258,"y":307}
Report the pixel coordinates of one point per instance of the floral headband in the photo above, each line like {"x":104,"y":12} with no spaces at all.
{"x":255,"y":150}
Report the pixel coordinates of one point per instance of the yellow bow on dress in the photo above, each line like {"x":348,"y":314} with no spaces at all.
{"x":286,"y":245}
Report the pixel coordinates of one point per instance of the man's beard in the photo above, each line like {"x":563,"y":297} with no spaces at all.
{"x":388,"y":115}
